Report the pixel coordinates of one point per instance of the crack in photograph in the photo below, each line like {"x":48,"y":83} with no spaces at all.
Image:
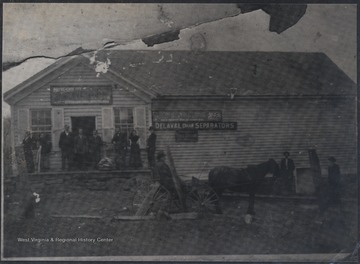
{"x":179,"y":132}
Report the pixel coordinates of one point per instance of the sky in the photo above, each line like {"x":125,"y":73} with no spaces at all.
{"x":54,"y":30}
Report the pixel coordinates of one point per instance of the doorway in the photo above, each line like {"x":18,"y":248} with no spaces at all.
{"x":87,"y":123}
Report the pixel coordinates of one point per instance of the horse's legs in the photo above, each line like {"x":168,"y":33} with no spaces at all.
{"x":252,"y":191}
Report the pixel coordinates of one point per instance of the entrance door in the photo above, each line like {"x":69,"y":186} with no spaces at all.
{"x":87,"y":123}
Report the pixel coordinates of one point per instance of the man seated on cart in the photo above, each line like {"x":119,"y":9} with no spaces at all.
{"x":163,"y":173}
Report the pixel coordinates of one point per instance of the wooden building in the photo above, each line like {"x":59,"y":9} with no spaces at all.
{"x":211,"y":108}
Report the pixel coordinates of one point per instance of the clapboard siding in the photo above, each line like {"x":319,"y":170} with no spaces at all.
{"x":266,"y":128}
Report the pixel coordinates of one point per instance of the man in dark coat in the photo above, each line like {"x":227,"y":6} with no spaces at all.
{"x":66,"y":144}
{"x":29,"y":144}
{"x":151,"y":147}
{"x":120,"y":142}
{"x":287,"y":167}
{"x":334,"y":181}
{"x":95,"y":144}
{"x":163,"y":172}
{"x":81,"y":149}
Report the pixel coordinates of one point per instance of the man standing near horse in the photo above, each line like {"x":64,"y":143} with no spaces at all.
{"x":287,"y":167}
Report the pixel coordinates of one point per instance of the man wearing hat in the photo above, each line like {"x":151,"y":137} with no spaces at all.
{"x":164,"y":173}
{"x":287,"y":167}
{"x":151,"y":147}
{"x":334,"y":181}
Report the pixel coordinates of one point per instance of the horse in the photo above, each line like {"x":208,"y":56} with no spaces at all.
{"x":223,"y":177}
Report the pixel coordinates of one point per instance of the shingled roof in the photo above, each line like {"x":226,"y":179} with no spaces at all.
{"x":214,"y":73}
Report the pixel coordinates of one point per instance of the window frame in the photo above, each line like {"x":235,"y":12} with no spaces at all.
{"x":128,"y":126}
{"x":37,"y":128}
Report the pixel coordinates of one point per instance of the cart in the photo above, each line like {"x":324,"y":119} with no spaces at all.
{"x":150,"y":197}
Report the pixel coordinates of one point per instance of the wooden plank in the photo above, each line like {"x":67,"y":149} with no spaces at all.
{"x":134,"y":217}
{"x":176,"y":179}
{"x":78,"y":216}
{"x":145,"y":205}
{"x":180,"y":216}
{"x":315,"y":166}
{"x":184,"y":216}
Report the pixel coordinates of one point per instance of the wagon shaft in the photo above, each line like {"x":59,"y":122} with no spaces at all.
{"x":148,"y":201}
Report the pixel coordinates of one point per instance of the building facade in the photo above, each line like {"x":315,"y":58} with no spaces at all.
{"x":211,"y":108}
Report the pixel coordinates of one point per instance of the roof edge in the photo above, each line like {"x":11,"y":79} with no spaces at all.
{"x":7,"y":96}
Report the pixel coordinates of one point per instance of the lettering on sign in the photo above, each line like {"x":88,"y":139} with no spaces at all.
{"x":74,"y":95}
{"x":196,"y":125}
{"x":186,"y":116}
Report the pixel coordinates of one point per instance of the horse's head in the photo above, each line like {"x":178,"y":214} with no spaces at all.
{"x":274,"y":168}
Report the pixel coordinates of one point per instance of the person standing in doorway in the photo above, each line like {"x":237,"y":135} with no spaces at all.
{"x":135,"y":156}
{"x":80,"y":149}
{"x":45,"y":144}
{"x":95,"y":144}
{"x":66,"y":144}
{"x":287,"y":167}
{"x":151,"y":147}
{"x":29,"y":145}
{"x":120,"y":143}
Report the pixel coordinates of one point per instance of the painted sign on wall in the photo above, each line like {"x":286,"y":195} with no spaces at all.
{"x":73,"y":95}
{"x":198,"y":125}
{"x":186,"y":116}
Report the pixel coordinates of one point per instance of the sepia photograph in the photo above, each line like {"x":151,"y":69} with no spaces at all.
{"x":179,"y":132}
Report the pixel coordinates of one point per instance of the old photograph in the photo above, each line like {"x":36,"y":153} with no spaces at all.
{"x":179,"y":132}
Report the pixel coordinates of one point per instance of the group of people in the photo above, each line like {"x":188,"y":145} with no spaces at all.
{"x":122,"y":144}
{"x":287,"y":168}
{"x":79,"y":151}
{"x":43,"y":145}
{"x":82,"y":152}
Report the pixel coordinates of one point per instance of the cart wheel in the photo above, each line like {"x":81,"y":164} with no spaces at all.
{"x":203,"y":199}
{"x":161,"y":200}
{"x":138,"y":188}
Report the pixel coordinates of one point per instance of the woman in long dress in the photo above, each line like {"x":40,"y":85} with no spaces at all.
{"x":135,"y":157}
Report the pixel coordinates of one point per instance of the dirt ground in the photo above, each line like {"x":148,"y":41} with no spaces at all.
{"x":281,"y":226}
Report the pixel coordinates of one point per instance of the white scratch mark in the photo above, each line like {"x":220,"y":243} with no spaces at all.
{"x":160,"y":60}
{"x":37,"y":199}
{"x":92,"y":58}
{"x":171,"y":58}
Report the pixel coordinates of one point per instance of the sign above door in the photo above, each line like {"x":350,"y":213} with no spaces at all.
{"x":75,"y":95}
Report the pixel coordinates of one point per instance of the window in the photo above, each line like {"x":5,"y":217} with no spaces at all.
{"x":124,"y":119}
{"x":40,"y":122}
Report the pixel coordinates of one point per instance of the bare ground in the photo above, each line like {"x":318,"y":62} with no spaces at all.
{"x":280,"y":227}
